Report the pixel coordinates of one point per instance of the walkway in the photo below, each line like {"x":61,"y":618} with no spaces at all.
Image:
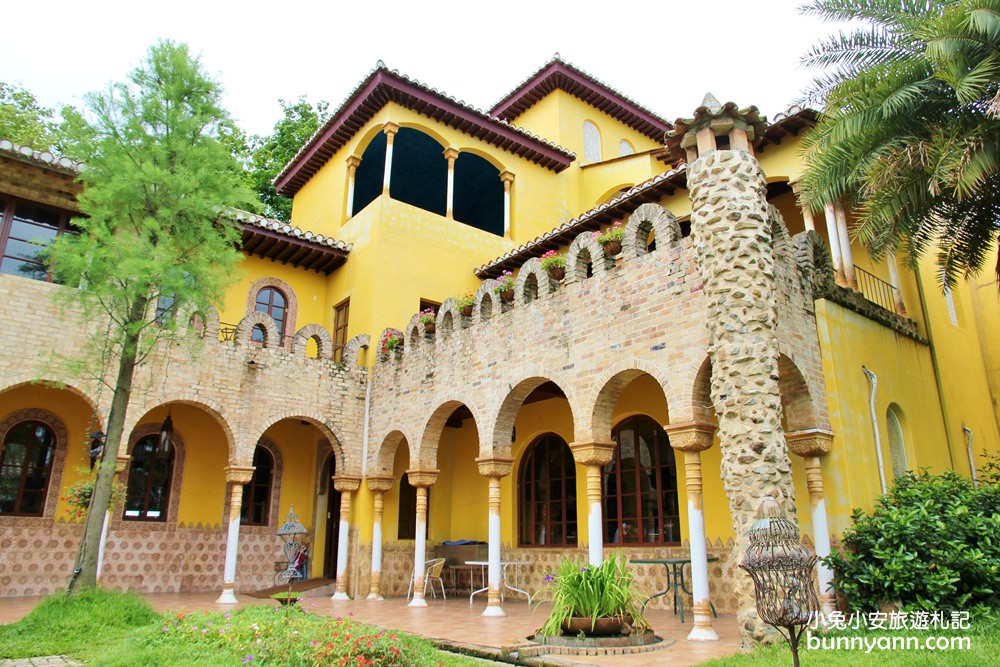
{"x":456,"y":621}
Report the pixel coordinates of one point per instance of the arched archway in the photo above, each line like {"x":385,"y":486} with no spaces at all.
{"x":478,"y":194}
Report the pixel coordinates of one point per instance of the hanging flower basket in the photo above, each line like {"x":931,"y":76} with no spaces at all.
{"x":465,"y":303}
{"x":612,"y":248}
{"x":507,"y":296}
{"x":554,"y":264}
{"x":611,"y":239}
{"x":429,"y":319}
{"x":505,"y":287}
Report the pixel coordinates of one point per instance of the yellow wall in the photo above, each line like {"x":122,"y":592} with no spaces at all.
{"x":298,"y":443}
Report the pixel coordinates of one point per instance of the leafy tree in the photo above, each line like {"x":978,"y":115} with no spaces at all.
{"x":910,"y":129}
{"x":23,"y":120}
{"x":156,"y":180}
{"x":270,"y":154}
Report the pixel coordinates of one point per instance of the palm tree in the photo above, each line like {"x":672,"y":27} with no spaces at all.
{"x":910,"y":132}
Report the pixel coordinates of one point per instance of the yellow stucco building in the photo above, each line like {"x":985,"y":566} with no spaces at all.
{"x":489,"y":428}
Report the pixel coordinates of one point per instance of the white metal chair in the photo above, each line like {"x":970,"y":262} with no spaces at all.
{"x":432,"y":573}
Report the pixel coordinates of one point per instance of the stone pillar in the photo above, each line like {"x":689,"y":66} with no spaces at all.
{"x":897,"y":294}
{"x":390,"y":130}
{"x":346,"y":486}
{"x":833,"y":236}
{"x":730,"y":227}
{"x":236,"y":477}
{"x":421,"y":479}
{"x":845,"y":245}
{"x":811,"y":444}
{"x":594,"y":455}
{"x":378,"y":486}
{"x":494,"y":469}
{"x":692,"y":438}
{"x":807,"y":218}
{"x":507,"y":178}
{"x":352,"y":170}
{"x":450,"y":154}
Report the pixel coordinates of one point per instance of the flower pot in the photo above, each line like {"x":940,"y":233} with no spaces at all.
{"x":612,"y":248}
{"x":600,"y":627}
{"x":557,"y":272}
{"x":430,"y":327}
{"x":284,"y":601}
{"x":507,"y":296}
{"x":467,"y":310}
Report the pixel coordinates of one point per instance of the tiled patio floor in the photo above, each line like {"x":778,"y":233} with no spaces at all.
{"x":458,"y":621}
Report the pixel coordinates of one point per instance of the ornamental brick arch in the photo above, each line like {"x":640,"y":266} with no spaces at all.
{"x":532,"y":282}
{"x":139,"y":413}
{"x":291,"y":307}
{"x":353,"y":348}
{"x":609,"y":390}
{"x":25,"y":380}
{"x":650,"y":219}
{"x":204,"y":324}
{"x":702,"y":408}
{"x":345,"y":465}
{"x":447,"y":314}
{"x":497,"y":443}
{"x":796,"y":402}
{"x":583,"y":250}
{"x":255,"y":320}
{"x":487,"y":302}
{"x":381,"y":459}
{"x":324,"y":343}
{"x":425,"y":457}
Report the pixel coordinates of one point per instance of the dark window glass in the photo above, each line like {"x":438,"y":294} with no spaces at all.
{"x":26,"y":232}
{"x":273,"y":302}
{"x":257,"y":492}
{"x":25,"y":468}
{"x":547,"y":494}
{"x":407,"y":518}
{"x":149,"y":477}
{"x":640,"y":486}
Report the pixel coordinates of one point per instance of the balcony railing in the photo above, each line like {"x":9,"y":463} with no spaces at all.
{"x":876,"y":290}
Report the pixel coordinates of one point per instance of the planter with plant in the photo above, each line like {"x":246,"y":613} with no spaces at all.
{"x":391,"y":341}
{"x":505,"y":286}
{"x":555,"y":264}
{"x":584,"y":597}
{"x":78,"y":494}
{"x":466,"y":302}
{"x":611,"y":238}
{"x":429,"y":319}
{"x":287,"y":597}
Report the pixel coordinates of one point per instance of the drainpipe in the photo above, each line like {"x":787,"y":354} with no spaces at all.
{"x":873,"y":383}
{"x":972,"y":461}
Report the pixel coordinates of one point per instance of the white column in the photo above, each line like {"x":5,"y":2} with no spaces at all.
{"x":421,"y":479}
{"x":594,"y":455}
{"x":237,"y":477}
{"x":811,"y":444}
{"x":692,"y":438}
{"x":807,"y":217}
{"x":833,"y":236}
{"x":451,"y":154}
{"x":347,"y":486}
{"x":390,"y":130}
{"x":103,"y":542}
{"x":508,"y":179}
{"x":845,"y":245}
{"x":352,"y":170}
{"x":897,"y":294}
{"x":378,"y":486}
{"x":494,"y":469}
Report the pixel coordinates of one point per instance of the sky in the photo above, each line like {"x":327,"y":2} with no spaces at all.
{"x":664,"y":55}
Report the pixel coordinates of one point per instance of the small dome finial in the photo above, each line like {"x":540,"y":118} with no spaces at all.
{"x":711,"y":103}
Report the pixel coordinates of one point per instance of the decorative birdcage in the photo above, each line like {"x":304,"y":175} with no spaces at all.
{"x":782,"y":573}
{"x":291,"y":569}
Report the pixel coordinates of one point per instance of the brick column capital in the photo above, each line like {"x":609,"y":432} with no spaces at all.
{"x":239,"y":475}
{"x":810,"y":442}
{"x":495,"y":466}
{"x":353,"y":162}
{"x":593,"y":453}
{"x":382,"y":484}
{"x":506,"y":177}
{"x":692,"y":436}
{"x":346,"y":483}
{"x":422,"y":478}
{"x":390,"y":129}
{"x":451,"y":153}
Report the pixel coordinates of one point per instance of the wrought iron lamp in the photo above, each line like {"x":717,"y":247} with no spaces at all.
{"x":782,"y":573}
{"x":289,"y":533}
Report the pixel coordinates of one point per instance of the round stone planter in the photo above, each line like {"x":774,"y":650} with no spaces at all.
{"x":601,"y":627}
{"x":612,"y":248}
{"x":557,"y":272}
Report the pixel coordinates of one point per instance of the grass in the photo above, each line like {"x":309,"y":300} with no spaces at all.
{"x":984,"y":635}
{"x":109,"y":629}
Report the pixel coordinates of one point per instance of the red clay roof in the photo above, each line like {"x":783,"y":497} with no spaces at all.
{"x":383,"y":86}
{"x":559,"y":74}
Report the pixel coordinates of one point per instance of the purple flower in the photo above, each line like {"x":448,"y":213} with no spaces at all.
{"x":548,"y":578}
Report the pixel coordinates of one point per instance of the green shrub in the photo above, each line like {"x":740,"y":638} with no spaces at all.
{"x":932,"y":543}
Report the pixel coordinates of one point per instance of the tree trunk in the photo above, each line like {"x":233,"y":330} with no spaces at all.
{"x":101,"y":498}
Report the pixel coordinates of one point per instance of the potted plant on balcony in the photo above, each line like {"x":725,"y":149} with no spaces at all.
{"x":391,"y":341}
{"x":555,"y":265}
{"x":429,"y":319}
{"x":594,"y":599}
{"x":505,"y":286}
{"x":611,"y":238}
{"x":466,"y":302}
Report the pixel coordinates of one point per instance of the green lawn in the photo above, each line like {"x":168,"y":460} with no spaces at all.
{"x":105,"y":628}
{"x":983,"y":635}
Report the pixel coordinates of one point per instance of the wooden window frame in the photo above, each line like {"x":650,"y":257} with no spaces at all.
{"x":341,"y":318}
{"x":167,"y":485}
{"x":26,"y":466}
{"x":533,"y":498}
{"x":8,"y":207}
{"x":257,"y":492}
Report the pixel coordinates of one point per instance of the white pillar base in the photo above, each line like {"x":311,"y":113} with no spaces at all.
{"x":374,"y":596}
{"x":417,"y":602}
{"x":702,"y":634}
{"x":340,"y":596}
{"x":494,"y":611}
{"x":228,"y":597}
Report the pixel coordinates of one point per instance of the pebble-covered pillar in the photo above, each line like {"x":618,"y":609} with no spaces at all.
{"x":237,"y":478}
{"x":594,"y":455}
{"x":811,"y":445}
{"x":421,"y":479}
{"x":378,"y":486}
{"x":347,"y":486}
{"x":692,"y":438}
{"x":494,"y":469}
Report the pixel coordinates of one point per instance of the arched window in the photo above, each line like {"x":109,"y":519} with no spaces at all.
{"x":625,"y":148}
{"x":897,"y":445}
{"x":547,"y":494}
{"x":478,"y":194}
{"x":257,"y":492}
{"x":150,"y":474}
{"x":640,"y":486}
{"x":591,"y":142}
{"x":272,"y":301}
{"x":25,"y":466}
